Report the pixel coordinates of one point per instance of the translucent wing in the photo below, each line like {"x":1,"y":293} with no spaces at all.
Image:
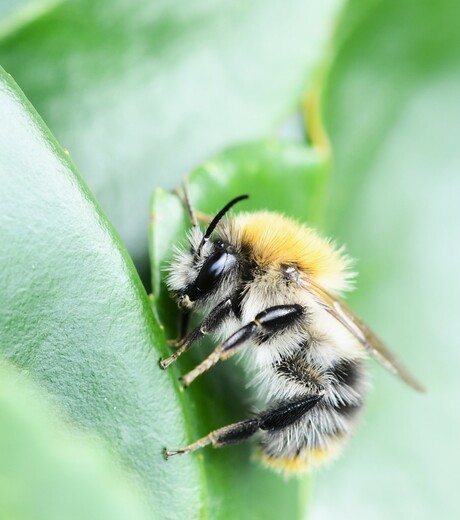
{"x":341,"y":312}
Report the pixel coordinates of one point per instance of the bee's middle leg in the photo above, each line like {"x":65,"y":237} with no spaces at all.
{"x":266,"y":323}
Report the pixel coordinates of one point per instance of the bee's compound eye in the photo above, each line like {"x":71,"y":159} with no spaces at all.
{"x":214,"y":267}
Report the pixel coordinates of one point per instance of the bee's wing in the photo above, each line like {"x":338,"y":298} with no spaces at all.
{"x":341,"y":312}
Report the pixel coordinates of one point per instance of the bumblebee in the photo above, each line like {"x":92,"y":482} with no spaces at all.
{"x":270,"y":286}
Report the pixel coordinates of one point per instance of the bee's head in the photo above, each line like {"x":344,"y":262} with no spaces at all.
{"x":208,"y":271}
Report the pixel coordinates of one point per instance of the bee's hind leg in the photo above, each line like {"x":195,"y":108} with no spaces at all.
{"x":231,"y":434}
{"x":280,"y":416}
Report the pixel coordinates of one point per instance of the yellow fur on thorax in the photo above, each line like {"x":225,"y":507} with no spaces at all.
{"x":276,"y":240}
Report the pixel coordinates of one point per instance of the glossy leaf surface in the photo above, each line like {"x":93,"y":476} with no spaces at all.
{"x":74,"y":315}
{"x":51,"y":473}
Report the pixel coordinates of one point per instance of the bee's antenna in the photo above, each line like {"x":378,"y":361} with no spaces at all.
{"x":217,"y":218}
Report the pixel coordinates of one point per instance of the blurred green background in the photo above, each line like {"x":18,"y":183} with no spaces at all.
{"x":342,"y":114}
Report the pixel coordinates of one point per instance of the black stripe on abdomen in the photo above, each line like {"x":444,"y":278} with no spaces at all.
{"x":347,"y":372}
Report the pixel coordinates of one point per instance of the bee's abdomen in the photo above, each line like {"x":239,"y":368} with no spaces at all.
{"x":317,"y":435}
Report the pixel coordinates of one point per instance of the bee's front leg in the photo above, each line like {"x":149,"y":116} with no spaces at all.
{"x":183,"y":329}
{"x":215,"y":318}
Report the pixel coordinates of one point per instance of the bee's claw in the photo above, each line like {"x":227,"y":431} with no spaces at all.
{"x":170,"y":453}
{"x":164,"y":363}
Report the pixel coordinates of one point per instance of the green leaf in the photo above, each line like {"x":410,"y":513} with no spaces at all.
{"x":50,"y":473}
{"x":285,"y":178}
{"x":73,"y":312}
{"x":14,"y":14}
{"x":392,"y":110}
{"x":140,"y":92}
